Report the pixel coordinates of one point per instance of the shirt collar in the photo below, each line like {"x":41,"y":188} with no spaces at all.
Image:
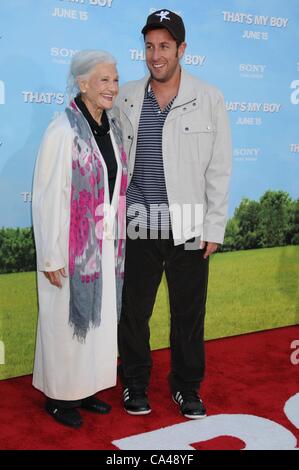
{"x":151,"y":95}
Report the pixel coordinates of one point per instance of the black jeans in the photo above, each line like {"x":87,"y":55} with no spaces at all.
{"x":187,"y":278}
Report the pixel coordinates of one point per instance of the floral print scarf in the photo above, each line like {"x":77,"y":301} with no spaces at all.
{"x":86,"y":225}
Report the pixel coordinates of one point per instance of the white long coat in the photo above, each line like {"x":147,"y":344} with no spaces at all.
{"x":64,"y":368}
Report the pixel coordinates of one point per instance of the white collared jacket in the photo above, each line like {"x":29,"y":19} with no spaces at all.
{"x":196,"y":146}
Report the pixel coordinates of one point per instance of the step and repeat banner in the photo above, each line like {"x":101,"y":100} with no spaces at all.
{"x":248,"y":49}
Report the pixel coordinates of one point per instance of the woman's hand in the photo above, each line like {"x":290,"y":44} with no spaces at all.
{"x":55,"y":277}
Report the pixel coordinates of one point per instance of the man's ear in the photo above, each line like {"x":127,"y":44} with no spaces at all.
{"x":181,"y":49}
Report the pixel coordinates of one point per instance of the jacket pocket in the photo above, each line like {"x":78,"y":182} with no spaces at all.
{"x":197,"y":141}
{"x":197,"y":127}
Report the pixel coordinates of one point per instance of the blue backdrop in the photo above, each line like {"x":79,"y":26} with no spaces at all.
{"x":249,"y":49}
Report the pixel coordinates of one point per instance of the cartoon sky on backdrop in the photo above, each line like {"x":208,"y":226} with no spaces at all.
{"x":248,"y":49}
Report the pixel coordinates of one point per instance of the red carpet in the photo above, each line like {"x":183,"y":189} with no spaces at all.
{"x":249,"y":379}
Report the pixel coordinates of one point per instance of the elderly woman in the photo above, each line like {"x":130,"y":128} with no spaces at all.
{"x":79,"y":224}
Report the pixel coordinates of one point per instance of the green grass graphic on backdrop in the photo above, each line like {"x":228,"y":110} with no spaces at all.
{"x":248,"y":291}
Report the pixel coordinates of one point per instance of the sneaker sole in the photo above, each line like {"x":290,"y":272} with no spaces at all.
{"x":194,"y":416}
{"x":136,"y":413}
{"x":189,"y":416}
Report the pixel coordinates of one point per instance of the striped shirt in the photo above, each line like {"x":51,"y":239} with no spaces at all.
{"x":147,"y":187}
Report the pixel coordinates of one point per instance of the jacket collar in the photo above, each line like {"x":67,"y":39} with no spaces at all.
{"x":186,"y":93}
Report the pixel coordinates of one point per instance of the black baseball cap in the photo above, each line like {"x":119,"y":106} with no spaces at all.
{"x":168,"y":20}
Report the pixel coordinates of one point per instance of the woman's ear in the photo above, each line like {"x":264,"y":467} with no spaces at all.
{"x":82,"y":85}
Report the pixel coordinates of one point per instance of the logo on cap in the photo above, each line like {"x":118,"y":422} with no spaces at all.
{"x":163,"y":15}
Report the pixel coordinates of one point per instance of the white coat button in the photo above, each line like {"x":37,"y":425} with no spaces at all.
{"x":209,"y":128}
{"x":108,"y":234}
{"x":48,"y":264}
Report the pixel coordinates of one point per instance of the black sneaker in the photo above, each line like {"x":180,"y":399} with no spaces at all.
{"x":190,"y":404}
{"x":136,"y":401}
{"x":67,"y":416}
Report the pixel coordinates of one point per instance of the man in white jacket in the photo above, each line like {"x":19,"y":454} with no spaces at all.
{"x":177,"y":139}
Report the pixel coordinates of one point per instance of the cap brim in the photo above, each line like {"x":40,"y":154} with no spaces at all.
{"x":148,"y":27}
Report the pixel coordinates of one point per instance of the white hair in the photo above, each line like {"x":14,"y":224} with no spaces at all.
{"x":81,"y":65}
